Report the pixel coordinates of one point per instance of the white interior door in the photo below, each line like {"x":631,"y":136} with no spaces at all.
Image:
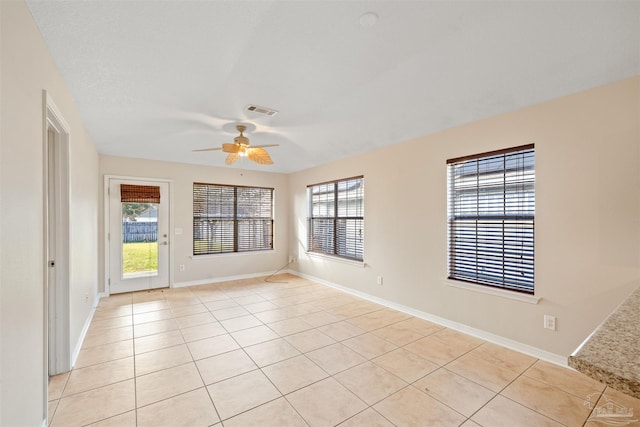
{"x":57,"y":252}
{"x":52,"y":239}
{"x":56,"y":242}
{"x":138,"y":236}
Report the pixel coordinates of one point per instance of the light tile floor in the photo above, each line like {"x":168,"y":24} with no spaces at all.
{"x":252,"y":353}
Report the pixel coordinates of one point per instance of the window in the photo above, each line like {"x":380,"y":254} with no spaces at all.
{"x":231,"y":219}
{"x":491,"y":218}
{"x":336,"y":218}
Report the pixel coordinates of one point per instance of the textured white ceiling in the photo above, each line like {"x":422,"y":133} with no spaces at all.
{"x":157,"y":79}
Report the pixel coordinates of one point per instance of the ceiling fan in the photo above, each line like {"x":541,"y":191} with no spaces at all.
{"x":241,"y":148}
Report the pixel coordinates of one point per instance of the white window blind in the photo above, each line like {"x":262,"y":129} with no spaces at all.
{"x":231,"y":218}
{"x":491,"y":212}
{"x":336,"y":218}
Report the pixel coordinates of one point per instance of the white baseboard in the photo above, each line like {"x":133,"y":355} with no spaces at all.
{"x":85,"y":328}
{"x":460,"y":327}
{"x":225,"y":279}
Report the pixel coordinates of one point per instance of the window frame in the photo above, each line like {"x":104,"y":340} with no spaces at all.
{"x":236,"y":218}
{"x":514,"y":252}
{"x":338,"y":222}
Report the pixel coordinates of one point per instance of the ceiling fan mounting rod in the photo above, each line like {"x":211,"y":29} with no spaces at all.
{"x":241,"y":140}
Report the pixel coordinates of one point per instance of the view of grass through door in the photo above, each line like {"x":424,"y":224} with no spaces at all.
{"x":139,"y":239}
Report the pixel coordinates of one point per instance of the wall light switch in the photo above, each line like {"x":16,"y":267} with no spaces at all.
{"x":178,"y":231}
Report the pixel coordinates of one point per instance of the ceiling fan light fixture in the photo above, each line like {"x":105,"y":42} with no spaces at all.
{"x":241,"y":140}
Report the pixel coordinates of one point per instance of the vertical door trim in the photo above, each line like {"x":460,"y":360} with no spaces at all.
{"x":57,"y":300}
{"x":106,"y":226}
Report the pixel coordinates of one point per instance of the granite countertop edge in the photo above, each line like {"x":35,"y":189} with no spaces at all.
{"x":610,"y":355}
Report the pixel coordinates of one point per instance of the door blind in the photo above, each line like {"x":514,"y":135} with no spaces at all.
{"x":139,"y":193}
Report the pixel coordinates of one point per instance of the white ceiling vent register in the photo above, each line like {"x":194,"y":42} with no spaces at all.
{"x":262,"y":110}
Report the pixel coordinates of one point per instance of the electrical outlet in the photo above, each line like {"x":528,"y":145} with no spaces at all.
{"x":379,"y":281}
{"x":549,"y":322}
{"x":181,"y":267}
{"x":86,"y":297}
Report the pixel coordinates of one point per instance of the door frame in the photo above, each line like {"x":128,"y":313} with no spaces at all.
{"x":107,"y":231}
{"x":57,"y":355}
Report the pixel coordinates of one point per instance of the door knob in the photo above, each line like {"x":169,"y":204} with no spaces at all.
{"x":164,"y":243}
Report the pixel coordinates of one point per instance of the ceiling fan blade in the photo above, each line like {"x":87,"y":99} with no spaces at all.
{"x":265,"y":145}
{"x":230,"y":148}
{"x":259,"y":156}
{"x":231,"y":158}
{"x":209,"y":149}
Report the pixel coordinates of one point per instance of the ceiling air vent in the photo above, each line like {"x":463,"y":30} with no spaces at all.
{"x":262,"y":110}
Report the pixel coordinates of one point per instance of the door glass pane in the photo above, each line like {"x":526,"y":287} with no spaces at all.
{"x":139,"y":240}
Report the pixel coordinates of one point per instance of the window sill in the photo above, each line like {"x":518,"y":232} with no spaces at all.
{"x":231,"y":254}
{"x":530,"y":299}
{"x":336,"y":258}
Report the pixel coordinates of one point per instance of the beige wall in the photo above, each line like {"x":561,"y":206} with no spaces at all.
{"x":215,"y":267}
{"x":587,"y":225}
{"x":26,"y":69}
{"x":587,"y":217}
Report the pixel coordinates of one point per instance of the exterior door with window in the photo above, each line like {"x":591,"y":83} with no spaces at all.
{"x":138,"y":235}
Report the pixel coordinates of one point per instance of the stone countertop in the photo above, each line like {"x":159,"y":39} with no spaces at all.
{"x":612,"y":353}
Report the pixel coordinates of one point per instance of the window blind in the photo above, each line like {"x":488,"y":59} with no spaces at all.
{"x":491,"y":213}
{"x":336,"y":218}
{"x":231,"y":218}
{"x":139,"y":193}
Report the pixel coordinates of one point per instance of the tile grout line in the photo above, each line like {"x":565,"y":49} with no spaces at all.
{"x":97,"y":388}
{"x":135,"y":376}
{"x":322,"y":310}
{"x":282,"y":395}
{"x":469,"y":379}
{"x":596,"y":405}
{"x":333,"y":376}
{"x":518,"y":403}
{"x":198,"y":369}
{"x":258,"y":291}
{"x":258,"y":368}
